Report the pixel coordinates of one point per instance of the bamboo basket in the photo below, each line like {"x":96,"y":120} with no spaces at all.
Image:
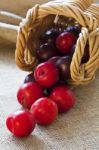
{"x":41,"y":17}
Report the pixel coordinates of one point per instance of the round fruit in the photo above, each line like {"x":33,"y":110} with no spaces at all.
{"x":46,"y":74}
{"x":65,"y":42}
{"x":46,"y":51}
{"x":28,"y":93}
{"x":74,"y":30}
{"x":45,"y":111}
{"x":47,"y":91}
{"x":21,"y":123}
{"x":54,"y":59}
{"x":29,"y":78}
{"x":50,"y":36}
{"x":9,"y":122}
{"x":63,"y":65}
{"x":63,"y":97}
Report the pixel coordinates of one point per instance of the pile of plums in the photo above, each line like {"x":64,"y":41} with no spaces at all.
{"x":45,"y":92}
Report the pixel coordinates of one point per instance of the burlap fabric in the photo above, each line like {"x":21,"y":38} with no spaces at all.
{"x":76,"y":130}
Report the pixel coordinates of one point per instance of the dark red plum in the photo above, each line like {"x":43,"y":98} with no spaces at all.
{"x":65,"y":41}
{"x":54,"y":59}
{"x":63,"y":64}
{"x":46,"y":51}
{"x":50,"y":36}
{"x":29,"y":78}
{"x":74,"y":30}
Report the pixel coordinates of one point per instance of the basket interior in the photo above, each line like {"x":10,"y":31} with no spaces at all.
{"x":43,"y":25}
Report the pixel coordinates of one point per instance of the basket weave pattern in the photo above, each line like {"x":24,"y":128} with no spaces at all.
{"x":41,"y":17}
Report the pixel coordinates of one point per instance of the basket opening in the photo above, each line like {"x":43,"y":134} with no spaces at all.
{"x":43,"y":25}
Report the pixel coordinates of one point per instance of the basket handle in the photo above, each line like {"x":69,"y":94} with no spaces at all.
{"x":23,"y":56}
{"x":82,"y":4}
{"x":83,"y":73}
{"x":94,"y":11}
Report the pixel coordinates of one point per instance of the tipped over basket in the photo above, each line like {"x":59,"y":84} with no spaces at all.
{"x":41,"y":17}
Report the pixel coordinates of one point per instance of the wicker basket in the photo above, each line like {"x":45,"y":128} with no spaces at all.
{"x":41,"y":17}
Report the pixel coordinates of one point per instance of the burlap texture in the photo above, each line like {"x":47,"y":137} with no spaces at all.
{"x":76,"y":130}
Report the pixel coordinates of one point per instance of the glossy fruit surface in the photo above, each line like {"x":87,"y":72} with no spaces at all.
{"x":21,"y":123}
{"x":65,"y":42}
{"x":74,"y":30}
{"x":46,"y":74}
{"x":54,"y":59}
{"x":46,"y":51}
{"x":50,"y":35}
{"x":28,"y":93}
{"x":29,"y":78}
{"x":63,"y":97}
{"x":47,"y":91}
{"x":45,"y":111}
{"x":63,"y":65}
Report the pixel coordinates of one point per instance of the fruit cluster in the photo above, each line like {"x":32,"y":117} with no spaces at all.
{"x":44,"y":92}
